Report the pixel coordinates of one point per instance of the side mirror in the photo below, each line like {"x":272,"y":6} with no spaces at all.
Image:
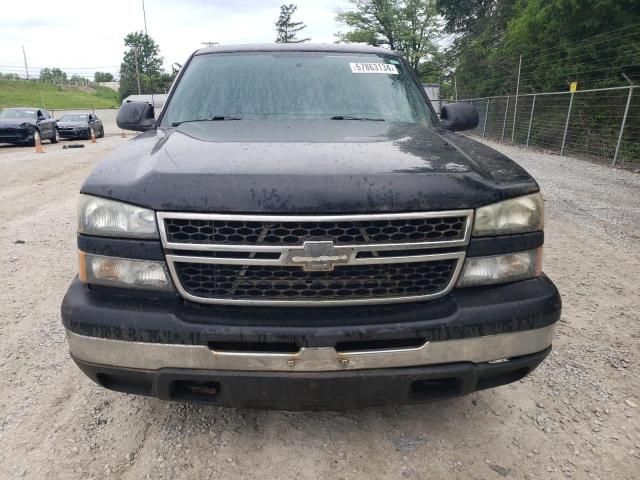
{"x":137,"y":116}
{"x":459,"y":116}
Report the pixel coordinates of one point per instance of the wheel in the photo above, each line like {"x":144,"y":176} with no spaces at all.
{"x":56,"y":136}
{"x":101,"y":132}
{"x":36,"y":135}
{"x":88,"y":133}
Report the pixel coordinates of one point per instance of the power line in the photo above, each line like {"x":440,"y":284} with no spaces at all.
{"x":61,"y":68}
{"x":608,"y":35}
{"x":600,"y":54}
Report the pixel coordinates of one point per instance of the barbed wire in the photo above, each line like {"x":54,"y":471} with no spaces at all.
{"x":610,"y":36}
{"x":606,"y":57}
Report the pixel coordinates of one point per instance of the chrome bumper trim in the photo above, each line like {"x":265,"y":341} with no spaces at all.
{"x":154,"y":356}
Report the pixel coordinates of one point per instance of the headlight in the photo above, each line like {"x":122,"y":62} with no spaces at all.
{"x":123,"y":272}
{"x":510,"y":267}
{"x":108,"y":218}
{"x":516,"y":215}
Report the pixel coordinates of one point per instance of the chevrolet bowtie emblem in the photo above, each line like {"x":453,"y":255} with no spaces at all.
{"x":320,"y":256}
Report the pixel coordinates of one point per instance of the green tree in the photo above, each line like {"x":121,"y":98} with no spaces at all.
{"x":592,"y":42}
{"x":102,"y":77}
{"x":476,"y":29}
{"x":286,"y":29}
{"x":560,"y":40}
{"x":471,"y":17}
{"x":77,"y":79}
{"x":53,"y":75}
{"x":408,"y":26}
{"x":141,"y":65}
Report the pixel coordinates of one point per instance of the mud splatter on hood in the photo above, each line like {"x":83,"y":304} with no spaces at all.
{"x":306,"y":167}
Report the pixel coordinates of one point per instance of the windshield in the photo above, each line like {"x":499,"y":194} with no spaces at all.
{"x":18,"y":113}
{"x":297,"y":85}
{"x":74,"y":118}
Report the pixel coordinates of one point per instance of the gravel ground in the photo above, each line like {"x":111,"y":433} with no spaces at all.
{"x":577,"y":416}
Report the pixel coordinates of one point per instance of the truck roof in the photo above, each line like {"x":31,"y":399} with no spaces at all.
{"x":295,"y":47}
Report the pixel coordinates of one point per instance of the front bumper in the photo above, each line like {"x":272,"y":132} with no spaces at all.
{"x":314,"y":391}
{"x":15,"y":135}
{"x":162,"y":345}
{"x":156,"y":356}
{"x":74,"y":133}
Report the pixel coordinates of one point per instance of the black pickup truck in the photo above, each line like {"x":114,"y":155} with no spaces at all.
{"x":297,"y":230}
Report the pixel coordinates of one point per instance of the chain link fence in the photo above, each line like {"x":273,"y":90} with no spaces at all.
{"x":598,"y":124}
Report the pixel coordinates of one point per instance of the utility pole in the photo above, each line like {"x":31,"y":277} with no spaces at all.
{"x":135,"y":52}
{"x":26,"y":67}
{"x":144,"y":15}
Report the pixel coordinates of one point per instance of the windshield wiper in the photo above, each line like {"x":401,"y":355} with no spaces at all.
{"x":349,"y":117}
{"x":216,"y":118}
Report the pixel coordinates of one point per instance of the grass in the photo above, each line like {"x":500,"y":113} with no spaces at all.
{"x":20,"y":93}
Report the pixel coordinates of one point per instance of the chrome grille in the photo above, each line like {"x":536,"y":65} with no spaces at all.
{"x":234,"y":232}
{"x":300,"y":260}
{"x":285,"y":283}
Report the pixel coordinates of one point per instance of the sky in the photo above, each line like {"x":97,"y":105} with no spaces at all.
{"x":83,"y":37}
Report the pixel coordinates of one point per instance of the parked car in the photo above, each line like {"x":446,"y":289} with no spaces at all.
{"x":25,"y":125}
{"x":298,"y":229}
{"x":79,"y":125}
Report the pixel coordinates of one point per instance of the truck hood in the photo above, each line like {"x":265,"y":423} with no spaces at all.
{"x":325,"y":166}
{"x":16,"y":122}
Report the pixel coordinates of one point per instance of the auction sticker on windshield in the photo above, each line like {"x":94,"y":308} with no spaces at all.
{"x":374,"y":68}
